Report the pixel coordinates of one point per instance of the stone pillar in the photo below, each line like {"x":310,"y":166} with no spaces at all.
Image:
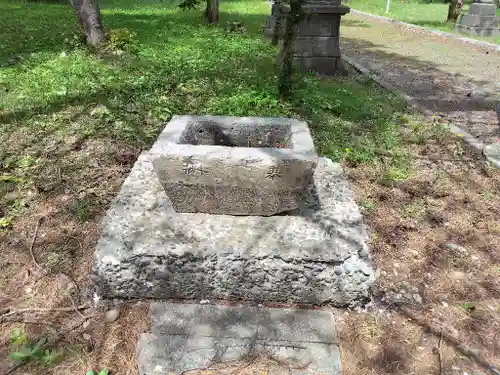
{"x":317,"y":45}
{"x":271,"y":20}
{"x":481,"y":19}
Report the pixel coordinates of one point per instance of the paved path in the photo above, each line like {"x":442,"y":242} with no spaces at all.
{"x":455,"y":80}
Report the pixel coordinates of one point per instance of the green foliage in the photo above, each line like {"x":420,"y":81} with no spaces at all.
{"x":469,"y":306}
{"x":102,"y":372}
{"x":82,"y":209}
{"x":49,"y":99}
{"x":10,"y":178}
{"x":368,"y":206}
{"x":121,"y":39}
{"x":24,"y":351}
{"x":77,"y":40}
{"x":189,"y":4}
{"x":394,"y":174}
{"x":5,"y":222}
{"x":292,"y":13}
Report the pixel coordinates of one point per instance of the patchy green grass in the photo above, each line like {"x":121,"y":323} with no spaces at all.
{"x":430,"y":15}
{"x":67,"y":117}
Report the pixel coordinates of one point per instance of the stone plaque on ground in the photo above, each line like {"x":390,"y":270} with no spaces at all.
{"x":191,"y":336}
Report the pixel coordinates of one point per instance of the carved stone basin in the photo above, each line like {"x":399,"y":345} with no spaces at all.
{"x":235,"y":165}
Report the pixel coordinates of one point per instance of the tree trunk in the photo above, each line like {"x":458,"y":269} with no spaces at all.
{"x":454,"y":10}
{"x":89,"y":18}
{"x":212,"y":11}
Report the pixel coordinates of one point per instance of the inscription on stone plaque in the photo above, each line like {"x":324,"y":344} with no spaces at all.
{"x":195,"y":170}
{"x":273,"y":173}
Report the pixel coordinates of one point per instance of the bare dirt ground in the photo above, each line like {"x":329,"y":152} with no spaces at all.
{"x":436,"y":241}
{"x":435,"y":238}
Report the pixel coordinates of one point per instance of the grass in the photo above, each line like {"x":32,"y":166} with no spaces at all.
{"x":57,"y":97}
{"x":431,"y":15}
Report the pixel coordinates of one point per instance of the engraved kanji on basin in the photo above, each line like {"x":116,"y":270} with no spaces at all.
{"x":235,"y":165}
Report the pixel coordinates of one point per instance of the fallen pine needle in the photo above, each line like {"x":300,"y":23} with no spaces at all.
{"x":40,"y":309}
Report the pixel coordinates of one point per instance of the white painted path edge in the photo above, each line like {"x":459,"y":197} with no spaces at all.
{"x":464,"y":39}
{"x":473,"y":142}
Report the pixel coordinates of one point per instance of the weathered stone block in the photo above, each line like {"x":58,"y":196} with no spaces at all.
{"x":319,"y":25}
{"x":487,"y":22}
{"x":235,"y":165}
{"x":317,"y":46}
{"x":481,"y":20}
{"x":483,"y":9}
{"x":316,"y":254}
{"x":478,"y":30}
{"x":320,"y":65}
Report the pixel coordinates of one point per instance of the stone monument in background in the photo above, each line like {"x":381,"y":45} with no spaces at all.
{"x":317,"y":43}
{"x":481,"y":19}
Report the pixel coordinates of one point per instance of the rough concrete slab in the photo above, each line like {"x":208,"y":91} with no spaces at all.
{"x":242,"y":322}
{"x":307,"y":346}
{"x":168,"y":355}
{"x":316,"y":254}
{"x":203,"y":320}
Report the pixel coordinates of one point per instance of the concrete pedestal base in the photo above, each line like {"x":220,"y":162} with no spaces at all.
{"x":317,"y":45}
{"x":481,"y":20}
{"x":314,"y":255}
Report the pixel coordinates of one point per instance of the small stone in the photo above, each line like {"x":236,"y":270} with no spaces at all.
{"x":444,"y":304}
{"x":348,"y":268}
{"x":474,"y":257}
{"x":417,"y":298}
{"x":396,"y":265}
{"x":457,"y":275}
{"x":415,"y":253}
{"x":364,"y":268}
{"x":363,"y":278}
{"x":398,"y":298}
{"x":87,"y":337}
{"x":492,"y":152}
{"x":338,"y":270}
{"x":204,"y":301}
{"x":363,"y":253}
{"x":456,"y":248}
{"x":111,"y":315}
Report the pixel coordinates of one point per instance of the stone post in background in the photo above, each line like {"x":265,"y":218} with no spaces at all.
{"x":316,"y":45}
{"x":481,"y":19}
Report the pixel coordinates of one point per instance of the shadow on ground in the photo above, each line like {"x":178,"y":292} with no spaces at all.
{"x":468,"y":103}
